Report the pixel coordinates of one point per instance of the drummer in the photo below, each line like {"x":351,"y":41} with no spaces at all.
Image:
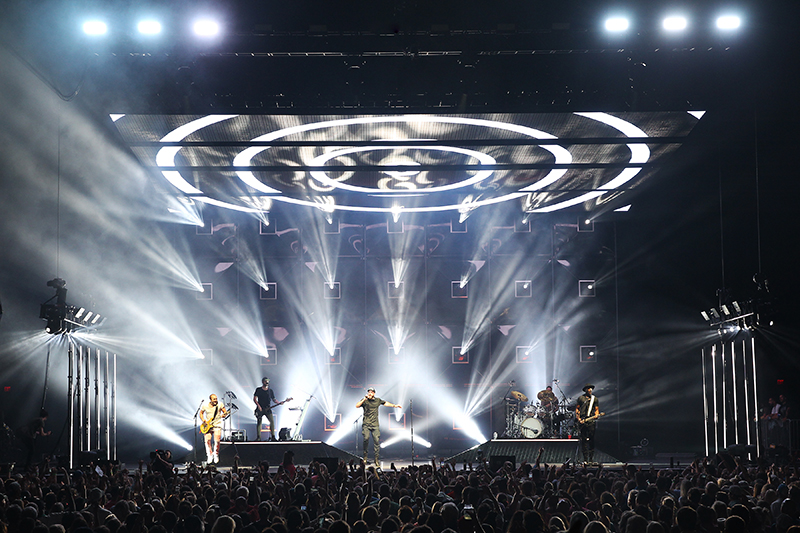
{"x":548,"y":400}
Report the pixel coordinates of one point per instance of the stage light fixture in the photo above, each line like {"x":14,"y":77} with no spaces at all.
{"x":95,"y":27}
{"x":675,"y":23}
{"x":206,"y":28}
{"x":589,"y":354}
{"x":395,"y":289}
{"x":523,"y":354}
{"x":736,"y":307}
{"x":715,"y":314}
{"x":149,"y":27}
{"x":585,"y":224}
{"x":54,"y":325}
{"x":56,"y":314}
{"x":522,"y":288}
{"x":522,"y":224}
{"x":393,"y":223}
{"x":331,"y":226}
{"x":705,"y":316}
{"x":586,"y":288}
{"x":206,"y":292}
{"x":268,"y":291}
{"x":728,"y":22}
{"x":725,"y":310}
{"x":617,"y":24}
{"x":332,"y":290}
{"x":458,"y":225}
{"x":457,"y":290}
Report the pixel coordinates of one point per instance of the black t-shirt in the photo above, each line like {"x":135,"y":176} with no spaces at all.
{"x":265,"y":398}
{"x":583,"y":406}
{"x":32,"y":429}
{"x":370,"y":408}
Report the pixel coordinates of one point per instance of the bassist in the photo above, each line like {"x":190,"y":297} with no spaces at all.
{"x":264,"y":397}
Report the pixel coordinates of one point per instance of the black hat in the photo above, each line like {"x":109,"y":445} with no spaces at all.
{"x":588,"y":386}
{"x":371,"y":389}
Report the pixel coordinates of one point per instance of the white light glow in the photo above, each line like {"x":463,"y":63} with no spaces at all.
{"x":149,"y":27}
{"x":729,"y":22}
{"x":206,"y":28}
{"x":616,"y":24}
{"x":95,"y":27}
{"x":402,"y":437}
{"x":675,"y":23}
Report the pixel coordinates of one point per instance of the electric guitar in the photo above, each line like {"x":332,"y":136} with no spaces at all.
{"x":207,"y":426}
{"x":258,"y":412}
{"x":589,"y":419}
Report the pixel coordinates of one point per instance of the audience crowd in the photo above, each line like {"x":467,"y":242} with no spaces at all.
{"x":714,"y":495}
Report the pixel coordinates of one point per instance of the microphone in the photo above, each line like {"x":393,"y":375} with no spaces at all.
{"x":555,"y":381}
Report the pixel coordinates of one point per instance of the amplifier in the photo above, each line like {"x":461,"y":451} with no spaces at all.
{"x":238,"y":435}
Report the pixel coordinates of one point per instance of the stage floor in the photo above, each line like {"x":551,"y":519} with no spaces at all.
{"x":495,"y":452}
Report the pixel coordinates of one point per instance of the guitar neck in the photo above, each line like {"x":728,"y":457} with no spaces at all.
{"x":593,"y":417}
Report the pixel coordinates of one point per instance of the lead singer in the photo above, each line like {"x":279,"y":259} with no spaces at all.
{"x":370,"y":403}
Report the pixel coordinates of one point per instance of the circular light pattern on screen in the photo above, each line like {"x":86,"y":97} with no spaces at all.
{"x":165,"y":158}
{"x":323,"y":177}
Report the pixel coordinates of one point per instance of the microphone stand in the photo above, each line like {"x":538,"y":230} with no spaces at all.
{"x":411,"y":418}
{"x":195,"y":428}
{"x":355,"y":432}
{"x":562,"y":405}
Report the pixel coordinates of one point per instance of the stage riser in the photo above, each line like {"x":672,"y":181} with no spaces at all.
{"x":251,"y":453}
{"x":555,"y":451}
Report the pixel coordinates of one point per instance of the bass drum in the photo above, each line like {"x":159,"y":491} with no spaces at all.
{"x":532,"y":428}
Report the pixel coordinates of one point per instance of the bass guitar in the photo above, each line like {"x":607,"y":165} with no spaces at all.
{"x":589,"y":419}
{"x":208,"y":425}
{"x":259,"y":412}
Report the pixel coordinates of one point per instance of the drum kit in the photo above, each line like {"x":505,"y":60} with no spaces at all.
{"x":547,"y":418}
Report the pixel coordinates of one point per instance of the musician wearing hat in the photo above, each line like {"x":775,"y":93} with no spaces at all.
{"x":587,"y":411}
{"x":370,"y":426}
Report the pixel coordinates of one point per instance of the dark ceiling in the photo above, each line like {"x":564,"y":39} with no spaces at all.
{"x":305,"y":56}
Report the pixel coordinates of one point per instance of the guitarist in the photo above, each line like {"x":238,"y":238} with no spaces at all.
{"x":587,"y":412}
{"x":212,"y":414}
{"x":264,"y":397}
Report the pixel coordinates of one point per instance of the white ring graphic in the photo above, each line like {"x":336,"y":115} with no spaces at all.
{"x":244,"y":158}
{"x":322,"y":177}
{"x":165,"y":158}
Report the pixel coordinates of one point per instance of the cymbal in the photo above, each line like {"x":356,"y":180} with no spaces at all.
{"x":519,"y":396}
{"x":546,"y":395}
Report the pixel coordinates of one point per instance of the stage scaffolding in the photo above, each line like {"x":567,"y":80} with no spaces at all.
{"x":730,"y":395}
{"x":91,"y":405}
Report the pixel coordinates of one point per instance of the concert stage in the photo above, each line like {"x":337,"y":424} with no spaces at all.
{"x":251,"y":453}
{"x":519,"y":450}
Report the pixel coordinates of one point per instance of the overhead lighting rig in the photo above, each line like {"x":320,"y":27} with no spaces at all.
{"x":61,"y":317}
{"x":747,"y":314}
